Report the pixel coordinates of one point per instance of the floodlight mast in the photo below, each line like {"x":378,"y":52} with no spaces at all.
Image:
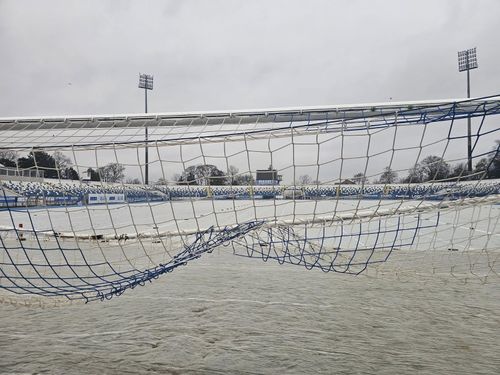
{"x":146,"y":83}
{"x":467,"y":60}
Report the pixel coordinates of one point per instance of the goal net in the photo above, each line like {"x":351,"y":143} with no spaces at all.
{"x":91,"y":206}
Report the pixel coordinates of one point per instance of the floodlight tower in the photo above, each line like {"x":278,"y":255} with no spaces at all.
{"x":146,"y":83}
{"x":467,"y":60}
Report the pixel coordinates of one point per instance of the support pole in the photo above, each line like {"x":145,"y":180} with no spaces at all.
{"x":467,"y":60}
{"x":146,"y":166}
{"x":146,"y":83}
{"x":469,"y":131}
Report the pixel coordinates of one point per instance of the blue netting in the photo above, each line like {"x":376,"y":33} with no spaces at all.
{"x":77,"y":277}
{"x":343,"y":247}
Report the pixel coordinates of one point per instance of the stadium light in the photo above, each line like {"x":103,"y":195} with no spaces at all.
{"x":146,"y":83}
{"x":467,"y":60}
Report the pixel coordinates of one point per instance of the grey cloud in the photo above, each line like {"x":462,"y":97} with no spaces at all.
{"x":238,"y":54}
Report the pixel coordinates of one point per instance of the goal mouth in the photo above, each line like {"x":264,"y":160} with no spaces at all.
{"x":91,"y":206}
{"x":401,"y":208}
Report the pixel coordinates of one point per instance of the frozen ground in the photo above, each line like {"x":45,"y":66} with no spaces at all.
{"x":227,"y":314}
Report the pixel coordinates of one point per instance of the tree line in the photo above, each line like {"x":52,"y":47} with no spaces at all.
{"x":431,"y":168}
{"x":56,"y":165}
{"x":59,"y":166}
{"x":208,"y":174}
{"x":434,"y":168}
{"x":111,"y":172}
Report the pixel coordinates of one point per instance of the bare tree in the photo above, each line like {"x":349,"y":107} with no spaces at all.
{"x":415,"y":175}
{"x":305,"y":179}
{"x":388,"y":176}
{"x":236,"y":178}
{"x":8,"y":158}
{"x":489,"y":167}
{"x":206,"y":174}
{"x":63,"y":166}
{"x":62,"y":161}
{"x":132,"y":181}
{"x":460,"y":170}
{"x":435,"y":168}
{"x":112,"y":172}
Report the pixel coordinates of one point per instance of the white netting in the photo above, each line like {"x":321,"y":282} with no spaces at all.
{"x":348,"y":189}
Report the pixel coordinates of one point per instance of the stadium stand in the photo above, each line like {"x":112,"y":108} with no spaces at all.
{"x":72,"y":193}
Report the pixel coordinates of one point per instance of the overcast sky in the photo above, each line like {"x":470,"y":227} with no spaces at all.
{"x":84,"y":57}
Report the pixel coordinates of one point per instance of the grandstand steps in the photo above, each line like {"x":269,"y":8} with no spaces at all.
{"x":4,"y":192}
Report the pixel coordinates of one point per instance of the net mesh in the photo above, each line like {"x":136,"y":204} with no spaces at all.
{"x":373,"y":189}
